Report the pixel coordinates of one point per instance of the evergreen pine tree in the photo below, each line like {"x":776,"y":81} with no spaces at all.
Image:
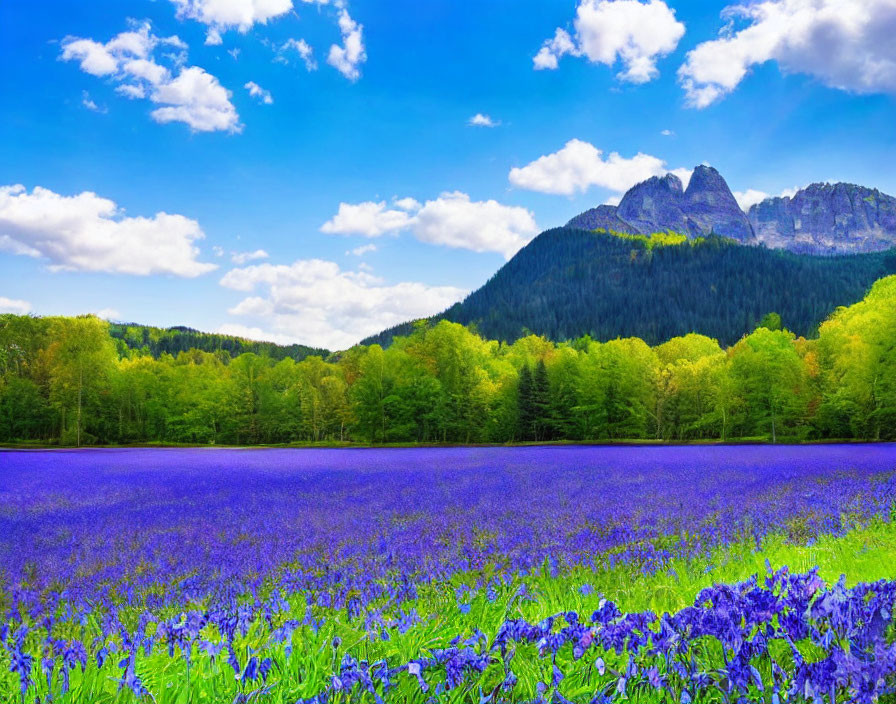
{"x":541,"y":397}
{"x":526,"y":405}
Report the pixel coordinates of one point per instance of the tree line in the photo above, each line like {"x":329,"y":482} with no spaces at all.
{"x":158,"y":341}
{"x":64,"y":380}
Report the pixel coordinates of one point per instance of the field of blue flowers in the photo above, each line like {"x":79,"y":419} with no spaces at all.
{"x":528,"y":574}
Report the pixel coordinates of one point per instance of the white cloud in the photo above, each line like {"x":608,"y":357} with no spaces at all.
{"x":225,"y":14}
{"x":197,"y":99}
{"x":249,"y":332}
{"x":362,"y":250}
{"x":480,"y":120}
{"x":368,"y":219}
{"x":14,"y":305}
{"x":408,"y":204}
{"x":193,"y":96}
{"x":131,"y":91}
{"x":108,"y":314}
{"x":88,"y":233}
{"x":256,"y":91}
{"x":580,"y":165}
{"x":90,"y":104}
{"x":95,"y":59}
{"x":243,"y":257}
{"x":684,"y":175}
{"x":549,"y":54}
{"x":452,"y":220}
{"x":315,"y":302}
{"x":351,"y":54}
{"x":667,"y":133}
{"x":846,"y":44}
{"x":306,"y":53}
{"x":147,"y":71}
{"x":748,"y":198}
{"x":606,"y":31}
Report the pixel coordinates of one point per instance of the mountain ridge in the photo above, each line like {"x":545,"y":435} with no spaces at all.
{"x":822,"y":219}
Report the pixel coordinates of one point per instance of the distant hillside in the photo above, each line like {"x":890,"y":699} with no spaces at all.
{"x":569,"y":282}
{"x":159,"y":341}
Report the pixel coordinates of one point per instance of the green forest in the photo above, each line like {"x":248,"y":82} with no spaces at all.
{"x":568,"y":282}
{"x":68,"y":381}
{"x":158,"y":341}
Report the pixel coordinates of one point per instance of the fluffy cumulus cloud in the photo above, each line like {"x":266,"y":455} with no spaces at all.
{"x":630,"y":32}
{"x":347,"y":58}
{"x":226,"y":14}
{"x":748,"y":198}
{"x":370,"y":219}
{"x":480,"y":120}
{"x":14,"y":305}
{"x":259,"y":93}
{"x":316,"y":302}
{"x":185,"y":94}
{"x":580,"y":165}
{"x":85,"y":232}
{"x":452,"y":220}
{"x":846,"y":44}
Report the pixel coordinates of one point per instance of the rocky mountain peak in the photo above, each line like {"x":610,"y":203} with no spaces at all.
{"x":706,"y":179}
{"x":603,"y":217}
{"x":707,"y":206}
{"x":673,"y":183}
{"x":656,"y":200}
{"x":823,"y":218}
{"x":827,"y":218}
{"x":712,"y":208}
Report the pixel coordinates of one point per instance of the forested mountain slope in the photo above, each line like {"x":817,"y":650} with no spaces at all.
{"x":569,"y":282}
{"x":159,"y":341}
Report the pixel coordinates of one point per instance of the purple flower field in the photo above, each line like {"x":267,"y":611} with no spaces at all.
{"x":111,"y":559}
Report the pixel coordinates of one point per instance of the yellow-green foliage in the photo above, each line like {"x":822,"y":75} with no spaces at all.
{"x":656,"y":239}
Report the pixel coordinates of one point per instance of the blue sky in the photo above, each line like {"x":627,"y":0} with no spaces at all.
{"x":356,"y":179}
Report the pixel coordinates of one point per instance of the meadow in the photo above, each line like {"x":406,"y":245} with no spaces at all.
{"x":524,"y":574}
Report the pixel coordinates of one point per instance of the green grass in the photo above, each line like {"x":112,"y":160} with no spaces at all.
{"x":865,"y":554}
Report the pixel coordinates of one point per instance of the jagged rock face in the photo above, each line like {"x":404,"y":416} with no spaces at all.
{"x":711,"y":207}
{"x":827,"y":219}
{"x":655,"y":205}
{"x":603,"y":217}
{"x":821,"y":219}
